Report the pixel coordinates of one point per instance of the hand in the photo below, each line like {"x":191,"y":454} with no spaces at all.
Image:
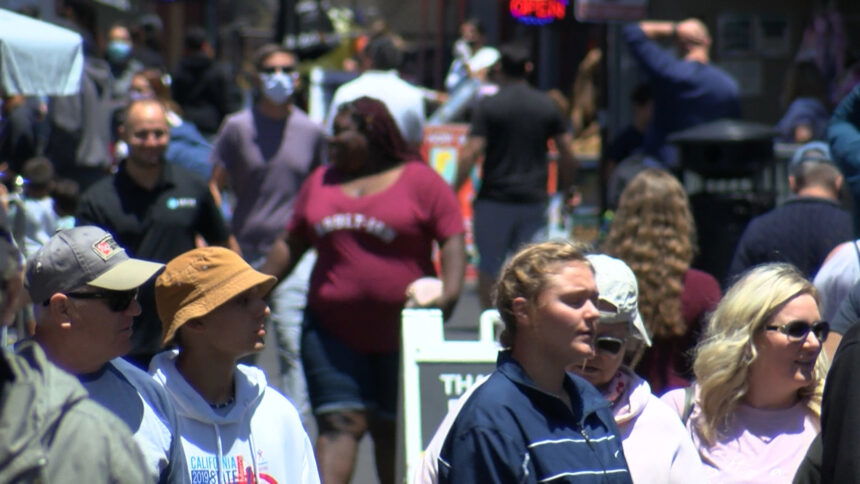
{"x":425,"y":292}
{"x":592,"y":59}
{"x":573,"y":199}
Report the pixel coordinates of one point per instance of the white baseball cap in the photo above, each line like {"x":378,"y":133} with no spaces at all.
{"x":617,"y":286}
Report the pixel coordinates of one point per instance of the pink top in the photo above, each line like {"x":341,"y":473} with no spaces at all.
{"x":761,"y":446}
{"x":370,"y":249}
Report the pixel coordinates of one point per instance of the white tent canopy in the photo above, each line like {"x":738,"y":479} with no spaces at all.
{"x":38,"y":58}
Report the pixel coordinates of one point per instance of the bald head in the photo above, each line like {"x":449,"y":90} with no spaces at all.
{"x":693,"y":31}
{"x":146,"y":131}
{"x":143,"y":109}
{"x":693,"y":38}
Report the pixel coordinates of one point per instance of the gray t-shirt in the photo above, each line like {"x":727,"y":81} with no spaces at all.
{"x":142,"y":404}
{"x":267,"y":160}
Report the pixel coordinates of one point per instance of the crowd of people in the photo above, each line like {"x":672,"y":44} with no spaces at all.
{"x":163,"y":228}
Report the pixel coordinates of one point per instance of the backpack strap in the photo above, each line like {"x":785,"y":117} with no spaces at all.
{"x":856,"y":250}
{"x":689,"y":394}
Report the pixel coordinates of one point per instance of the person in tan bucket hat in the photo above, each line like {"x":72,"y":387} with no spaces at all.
{"x":233,"y":424}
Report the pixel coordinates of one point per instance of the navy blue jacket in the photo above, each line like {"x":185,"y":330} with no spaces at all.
{"x":510,"y":431}
{"x":802,"y":231}
{"x":686,"y":93}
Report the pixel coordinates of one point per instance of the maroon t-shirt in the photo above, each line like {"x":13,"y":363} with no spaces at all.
{"x":370,"y":249}
{"x":668,"y":363}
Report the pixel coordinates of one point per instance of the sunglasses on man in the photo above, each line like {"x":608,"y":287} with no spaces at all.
{"x":117,"y":301}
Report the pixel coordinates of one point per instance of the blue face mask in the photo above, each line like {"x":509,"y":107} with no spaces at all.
{"x":277,"y":87}
{"x":118,"y":51}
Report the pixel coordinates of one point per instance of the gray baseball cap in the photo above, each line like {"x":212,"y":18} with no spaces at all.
{"x":817,"y":151}
{"x":81,"y":256}
{"x":617,"y":286}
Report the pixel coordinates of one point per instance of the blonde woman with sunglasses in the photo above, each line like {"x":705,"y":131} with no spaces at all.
{"x":759,"y":368}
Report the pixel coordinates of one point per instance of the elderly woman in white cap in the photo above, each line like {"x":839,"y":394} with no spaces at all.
{"x":234,"y":427}
{"x":656,"y":445}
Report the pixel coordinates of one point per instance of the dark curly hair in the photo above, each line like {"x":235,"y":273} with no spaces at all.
{"x":376,"y":123}
{"x":654,"y":233}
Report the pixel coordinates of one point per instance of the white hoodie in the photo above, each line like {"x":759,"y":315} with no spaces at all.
{"x":261,"y":439}
{"x":656,"y":445}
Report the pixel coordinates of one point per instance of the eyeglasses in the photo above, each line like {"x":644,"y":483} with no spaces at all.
{"x":117,"y":301}
{"x":798,"y":330}
{"x":608,"y":344}
{"x":274,"y":69}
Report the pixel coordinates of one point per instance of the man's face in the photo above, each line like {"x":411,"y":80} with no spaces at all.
{"x":147,"y":133}
{"x":237,"y":327}
{"x":471,"y":35}
{"x":105,"y":332}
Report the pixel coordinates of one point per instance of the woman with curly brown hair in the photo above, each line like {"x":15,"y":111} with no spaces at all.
{"x":654,"y":233}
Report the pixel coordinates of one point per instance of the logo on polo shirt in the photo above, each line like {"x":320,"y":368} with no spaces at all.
{"x":174,"y":203}
{"x":106,"y":247}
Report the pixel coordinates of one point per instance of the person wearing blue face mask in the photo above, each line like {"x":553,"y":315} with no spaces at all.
{"x":277,"y":84}
{"x":122,"y":65}
{"x":265,"y":152}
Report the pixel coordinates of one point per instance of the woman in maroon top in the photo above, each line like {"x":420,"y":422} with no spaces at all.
{"x":654,"y":233}
{"x":372,"y":214}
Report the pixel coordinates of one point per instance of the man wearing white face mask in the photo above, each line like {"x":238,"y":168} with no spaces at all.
{"x":265,"y":152}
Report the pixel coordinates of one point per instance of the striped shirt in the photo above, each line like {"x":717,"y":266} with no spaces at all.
{"x":511,"y":431}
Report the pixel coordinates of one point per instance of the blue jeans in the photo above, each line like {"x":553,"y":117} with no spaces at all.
{"x":287,"y":302}
{"x":340,"y":378}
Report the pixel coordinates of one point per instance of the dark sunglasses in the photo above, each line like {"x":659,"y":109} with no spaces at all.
{"x":117,"y":301}
{"x":274,"y":69}
{"x":608,"y":344}
{"x":798,"y":330}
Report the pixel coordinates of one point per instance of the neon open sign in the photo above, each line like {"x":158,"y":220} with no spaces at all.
{"x":538,"y":12}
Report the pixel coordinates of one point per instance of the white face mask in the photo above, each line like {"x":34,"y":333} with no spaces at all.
{"x":277,"y":87}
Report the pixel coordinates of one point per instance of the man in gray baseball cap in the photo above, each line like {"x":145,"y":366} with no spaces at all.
{"x":83,"y":286}
{"x":84,"y":256}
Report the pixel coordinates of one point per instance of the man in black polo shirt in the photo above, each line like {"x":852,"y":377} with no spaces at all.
{"x":153,"y":209}
{"x":511,"y":129}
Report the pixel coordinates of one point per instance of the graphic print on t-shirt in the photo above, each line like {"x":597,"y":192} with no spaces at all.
{"x":235,"y":469}
{"x":355,"y":221}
